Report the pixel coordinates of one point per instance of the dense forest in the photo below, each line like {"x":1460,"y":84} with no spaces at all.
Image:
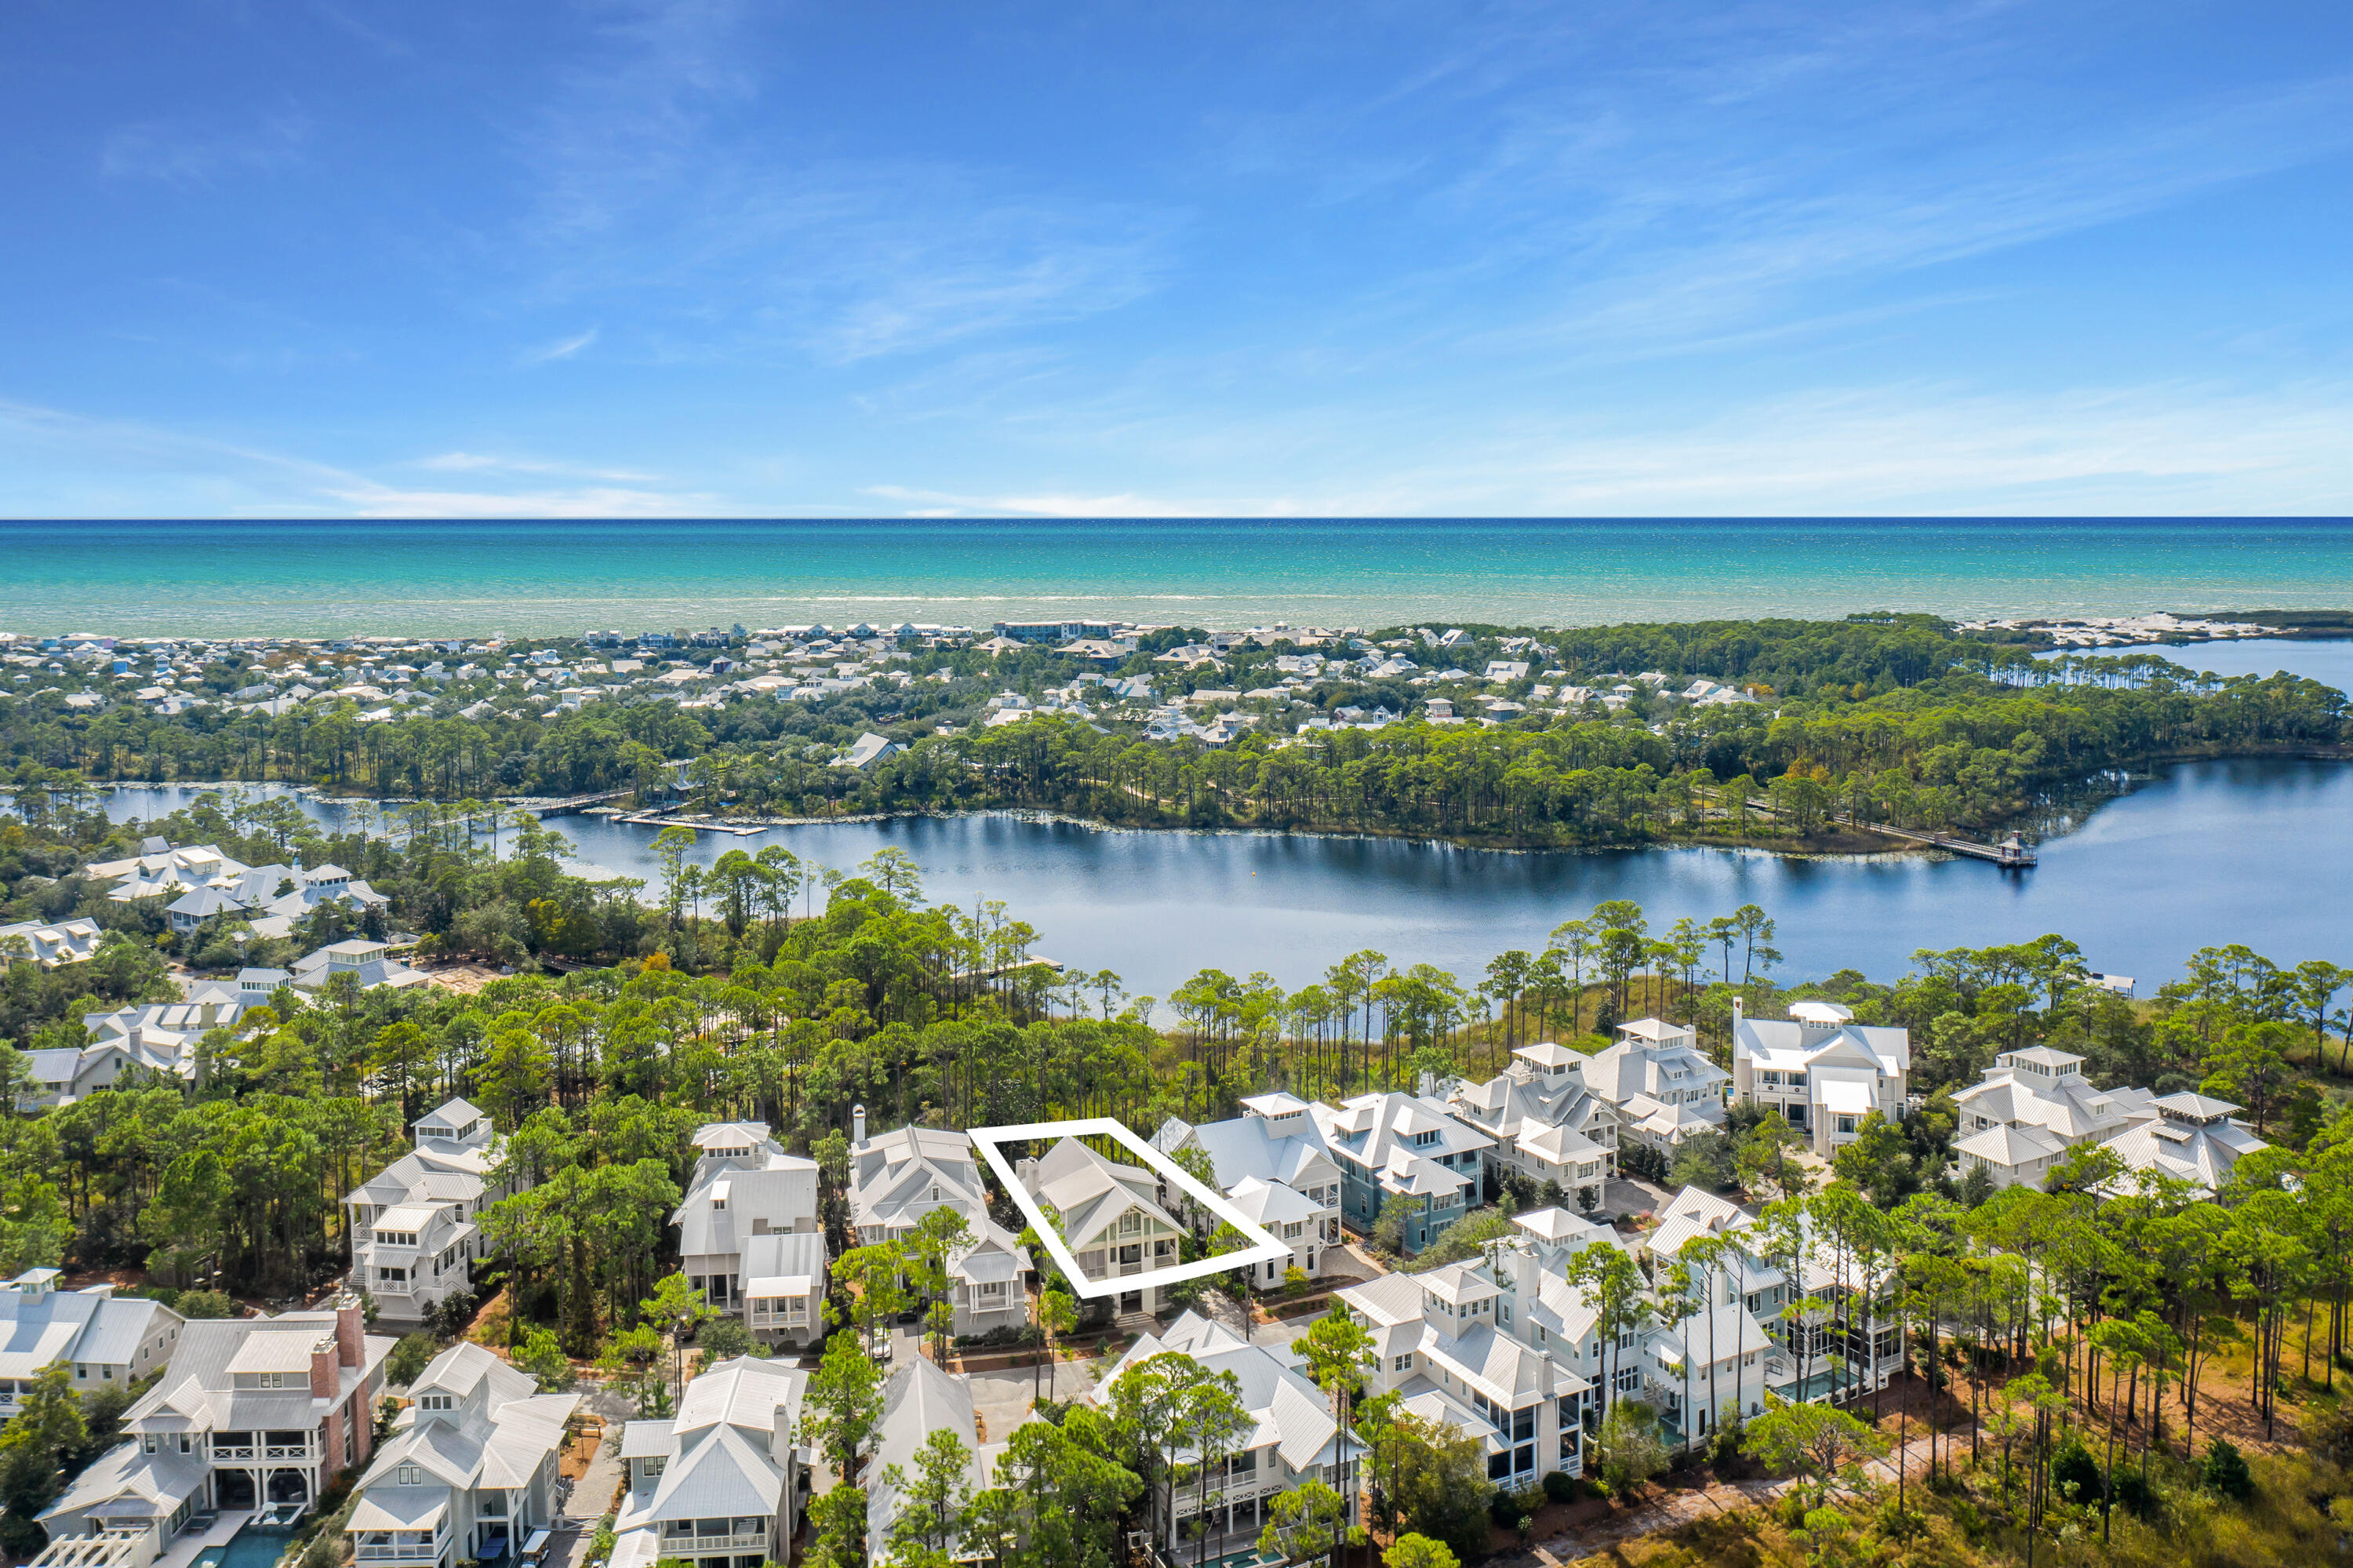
{"x":1891,"y":718}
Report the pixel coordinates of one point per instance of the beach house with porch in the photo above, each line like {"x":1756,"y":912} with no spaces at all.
{"x":898,"y":1178}
{"x":1819,"y":1071}
{"x":1407,"y":1147}
{"x":105,"y":1340}
{"x":469,"y":1470}
{"x":1291,"y":1438}
{"x":414,"y":1223}
{"x":253,"y":1412}
{"x":2030,"y":1107}
{"x":1546,"y":1125}
{"x":1110,"y":1217}
{"x":723,"y":1483}
{"x":1441,"y":1345}
{"x":746,"y":1187}
{"x":1662,"y":1086}
{"x":1270,"y":1160}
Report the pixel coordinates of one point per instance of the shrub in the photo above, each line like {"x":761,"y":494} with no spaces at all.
{"x":2226,"y":1473}
{"x":1004,"y":1336}
{"x":410,"y":1358}
{"x":1559,"y":1487}
{"x":206,"y":1304}
{"x":2134,"y":1495}
{"x":455,"y":1314}
{"x":1508,"y":1505}
{"x":2075,"y":1473}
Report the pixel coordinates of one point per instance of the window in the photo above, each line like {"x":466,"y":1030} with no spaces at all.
{"x":433,"y":1401}
{"x":1402,"y":1363}
{"x":412,"y":1474}
{"x":1130,"y":1224}
{"x":82,"y":1369}
{"x":653,"y":1466}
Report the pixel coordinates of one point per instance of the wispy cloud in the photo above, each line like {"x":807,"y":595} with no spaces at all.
{"x":562,"y":348}
{"x":197,"y":153}
{"x":100,"y":467}
{"x":657,"y":184}
{"x":485,"y":462}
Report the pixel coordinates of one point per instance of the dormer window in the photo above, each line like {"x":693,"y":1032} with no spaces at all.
{"x":1424,"y":1140}
{"x":435,"y":1402}
{"x":412,"y":1474}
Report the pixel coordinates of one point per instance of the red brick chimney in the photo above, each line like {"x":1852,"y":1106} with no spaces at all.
{"x":325,"y":1381}
{"x":351,"y":1324}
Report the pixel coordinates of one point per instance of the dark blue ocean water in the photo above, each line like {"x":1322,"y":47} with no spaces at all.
{"x":220,"y":577}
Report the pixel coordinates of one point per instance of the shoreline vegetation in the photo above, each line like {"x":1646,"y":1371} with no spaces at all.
{"x":1796,"y":737}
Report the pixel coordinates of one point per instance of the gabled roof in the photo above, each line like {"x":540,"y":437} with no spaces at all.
{"x":2010,"y":1146}
{"x":918,"y":1400}
{"x":1271,"y":1203}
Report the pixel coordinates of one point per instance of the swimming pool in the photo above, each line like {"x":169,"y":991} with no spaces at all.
{"x":250,"y":1547}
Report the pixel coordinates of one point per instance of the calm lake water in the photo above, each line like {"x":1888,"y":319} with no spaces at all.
{"x":2207,"y":853}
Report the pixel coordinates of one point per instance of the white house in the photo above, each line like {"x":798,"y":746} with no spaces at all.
{"x":1292,"y":1437}
{"x":413,"y":1224}
{"x":1854,"y":1322}
{"x":469,"y":1469}
{"x":1271,"y":1162}
{"x":722,"y":1484}
{"x":1442,"y":1345}
{"x":918,"y":1399}
{"x":1662,"y":1086}
{"x":106,"y":1339}
{"x":744,"y":1186}
{"x":1546,"y":1125}
{"x":897,"y":1179}
{"x":371,"y":964}
{"x":252,"y":1412}
{"x":1819,"y":1070}
{"x":49,"y":943}
{"x":1110,"y":1217}
{"x":2193,"y":1139}
{"x":2030,"y":1107}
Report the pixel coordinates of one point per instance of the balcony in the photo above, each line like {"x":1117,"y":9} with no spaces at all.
{"x":692,"y":1545}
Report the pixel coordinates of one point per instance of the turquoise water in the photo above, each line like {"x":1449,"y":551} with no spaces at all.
{"x":449,"y":578}
{"x":2204,"y":853}
{"x":250,"y":1547}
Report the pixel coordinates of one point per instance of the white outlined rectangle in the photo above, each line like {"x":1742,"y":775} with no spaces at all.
{"x":1265,"y":1246}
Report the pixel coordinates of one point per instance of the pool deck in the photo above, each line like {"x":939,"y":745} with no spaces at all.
{"x":183,"y":1551}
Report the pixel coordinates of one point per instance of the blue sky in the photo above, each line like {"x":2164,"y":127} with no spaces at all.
{"x":350,"y":258}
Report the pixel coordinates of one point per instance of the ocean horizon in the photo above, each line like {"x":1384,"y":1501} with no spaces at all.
{"x":547,"y":577}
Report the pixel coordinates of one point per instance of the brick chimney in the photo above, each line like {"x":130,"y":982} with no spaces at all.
{"x":325,"y":1381}
{"x":351,"y":1325}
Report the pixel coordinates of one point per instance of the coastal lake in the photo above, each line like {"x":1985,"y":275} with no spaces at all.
{"x":2253,"y":852}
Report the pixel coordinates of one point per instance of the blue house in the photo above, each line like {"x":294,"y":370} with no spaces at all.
{"x":1403,"y":1146}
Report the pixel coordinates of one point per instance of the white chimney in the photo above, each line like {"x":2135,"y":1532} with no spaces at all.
{"x":138,"y":1035}
{"x":857,"y":1126}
